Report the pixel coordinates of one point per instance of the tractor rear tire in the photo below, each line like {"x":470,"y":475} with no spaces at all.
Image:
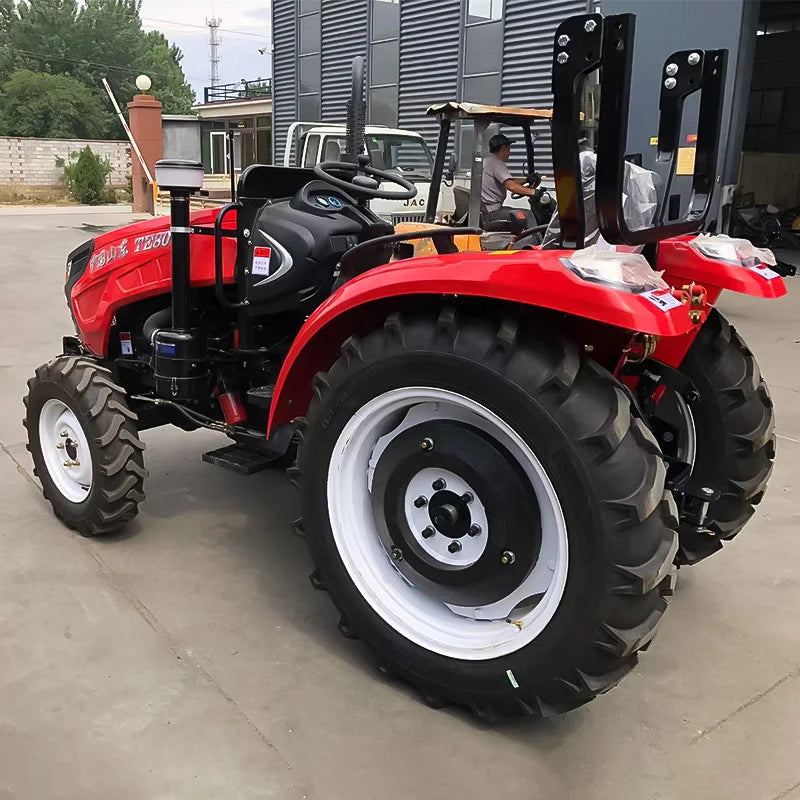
{"x":85,"y":447}
{"x":562,"y":481}
{"x":734,"y":422}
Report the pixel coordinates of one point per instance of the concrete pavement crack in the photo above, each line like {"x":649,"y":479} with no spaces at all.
{"x":20,"y":468}
{"x":754,"y":699}
{"x":787,"y":791}
{"x":174,"y":646}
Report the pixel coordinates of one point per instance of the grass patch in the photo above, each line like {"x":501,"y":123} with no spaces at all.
{"x":18,"y":195}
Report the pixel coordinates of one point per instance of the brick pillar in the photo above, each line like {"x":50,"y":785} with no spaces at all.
{"x":144,"y":119}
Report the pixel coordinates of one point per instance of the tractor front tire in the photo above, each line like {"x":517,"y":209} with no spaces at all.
{"x":734,"y":424}
{"x":85,"y":447}
{"x":486,"y":513}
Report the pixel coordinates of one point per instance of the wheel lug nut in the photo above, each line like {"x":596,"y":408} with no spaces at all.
{"x":59,"y":445}
{"x":428,"y":532}
{"x":474,"y":530}
{"x":426,"y":444}
{"x":454,"y":547}
{"x":63,"y":434}
{"x":421,"y":502}
{"x":467,"y":497}
{"x":507,"y":558}
{"x":439,"y":484}
{"x":396,"y":553}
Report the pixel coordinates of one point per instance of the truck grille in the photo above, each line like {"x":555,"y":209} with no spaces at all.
{"x":396,"y":218}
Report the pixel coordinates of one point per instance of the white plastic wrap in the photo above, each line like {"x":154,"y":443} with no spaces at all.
{"x":629,"y":270}
{"x":734,"y":251}
{"x":639,"y":201}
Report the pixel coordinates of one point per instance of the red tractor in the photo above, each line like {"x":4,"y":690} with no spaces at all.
{"x":496,"y":452}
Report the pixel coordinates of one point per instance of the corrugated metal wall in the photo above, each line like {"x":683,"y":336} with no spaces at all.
{"x":430,"y":36}
{"x":430,"y":57}
{"x":527,"y":59}
{"x":344,"y":36}
{"x":284,"y":68}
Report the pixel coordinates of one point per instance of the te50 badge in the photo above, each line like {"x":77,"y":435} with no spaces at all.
{"x":141,"y":244}
{"x":153,"y":241}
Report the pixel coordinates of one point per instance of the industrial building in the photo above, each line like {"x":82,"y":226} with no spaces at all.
{"x":500,"y":51}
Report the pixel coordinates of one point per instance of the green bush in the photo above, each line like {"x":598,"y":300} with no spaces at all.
{"x":87,"y":176}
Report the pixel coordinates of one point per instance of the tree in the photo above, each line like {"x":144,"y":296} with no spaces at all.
{"x":50,"y":106}
{"x":162,"y":62}
{"x":43,"y":36}
{"x":86,"y":175}
{"x":90,"y":41}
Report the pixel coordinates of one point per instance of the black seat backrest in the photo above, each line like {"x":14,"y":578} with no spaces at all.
{"x":461,"y":196}
{"x":268,"y":182}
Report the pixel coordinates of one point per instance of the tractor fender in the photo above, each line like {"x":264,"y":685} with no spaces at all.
{"x":534,"y":278}
{"x":682,"y":265}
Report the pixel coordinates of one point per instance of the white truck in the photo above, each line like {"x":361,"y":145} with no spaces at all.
{"x":311,"y":143}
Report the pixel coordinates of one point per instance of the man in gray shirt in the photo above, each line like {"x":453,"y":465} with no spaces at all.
{"x":497,"y":180}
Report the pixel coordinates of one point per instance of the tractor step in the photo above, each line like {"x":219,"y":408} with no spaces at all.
{"x":260,"y":396}
{"x":239,"y":459}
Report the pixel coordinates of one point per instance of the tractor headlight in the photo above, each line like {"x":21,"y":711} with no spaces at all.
{"x":629,"y":271}
{"x":734,"y":251}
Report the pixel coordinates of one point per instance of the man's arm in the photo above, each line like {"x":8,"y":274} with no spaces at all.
{"x":516,"y":187}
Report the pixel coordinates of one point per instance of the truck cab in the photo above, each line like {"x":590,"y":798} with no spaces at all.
{"x":393,"y":149}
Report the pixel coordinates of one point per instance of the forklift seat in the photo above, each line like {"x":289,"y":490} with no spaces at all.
{"x":461,"y":196}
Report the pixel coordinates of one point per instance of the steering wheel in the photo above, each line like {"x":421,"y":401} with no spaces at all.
{"x":366,"y":179}
{"x":532,"y":183}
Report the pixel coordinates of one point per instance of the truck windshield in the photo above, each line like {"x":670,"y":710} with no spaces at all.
{"x":391,"y":151}
{"x":407,"y":154}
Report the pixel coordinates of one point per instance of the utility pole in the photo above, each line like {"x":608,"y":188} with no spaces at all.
{"x":213,"y":41}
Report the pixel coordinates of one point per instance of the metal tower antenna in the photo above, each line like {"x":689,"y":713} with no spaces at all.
{"x":214,"y":41}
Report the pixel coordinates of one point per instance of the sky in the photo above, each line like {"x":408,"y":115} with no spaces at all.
{"x":244,"y":30}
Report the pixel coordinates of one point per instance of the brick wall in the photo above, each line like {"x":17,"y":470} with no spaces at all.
{"x":32,"y":162}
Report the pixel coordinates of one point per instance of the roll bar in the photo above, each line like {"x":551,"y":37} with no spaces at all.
{"x":482,"y":117}
{"x":586,"y":42}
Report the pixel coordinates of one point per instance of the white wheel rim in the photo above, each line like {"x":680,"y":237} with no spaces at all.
{"x":470,"y":633}
{"x":65,"y":450}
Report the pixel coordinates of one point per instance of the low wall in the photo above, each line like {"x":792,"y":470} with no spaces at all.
{"x":32,"y":162}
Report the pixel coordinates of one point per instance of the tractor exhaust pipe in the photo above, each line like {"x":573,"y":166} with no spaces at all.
{"x":180,"y":352}
{"x":181,"y":178}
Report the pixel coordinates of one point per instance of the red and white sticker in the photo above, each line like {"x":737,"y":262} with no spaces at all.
{"x":125,"y":343}
{"x":662,"y":299}
{"x":261,"y":259}
{"x":765,"y":272}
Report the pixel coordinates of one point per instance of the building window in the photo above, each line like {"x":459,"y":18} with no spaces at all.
{"x":309,"y":37}
{"x":309,"y":75}
{"x":483,"y":51}
{"x":484,"y":11}
{"x":384,"y":62}
{"x":308,"y":108}
{"x":385,"y":19}
{"x":483,"y":63}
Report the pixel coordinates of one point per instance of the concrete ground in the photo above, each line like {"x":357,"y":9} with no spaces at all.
{"x":190,"y":658}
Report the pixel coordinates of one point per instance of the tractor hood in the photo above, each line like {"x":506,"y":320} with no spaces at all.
{"x":123,"y":245}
